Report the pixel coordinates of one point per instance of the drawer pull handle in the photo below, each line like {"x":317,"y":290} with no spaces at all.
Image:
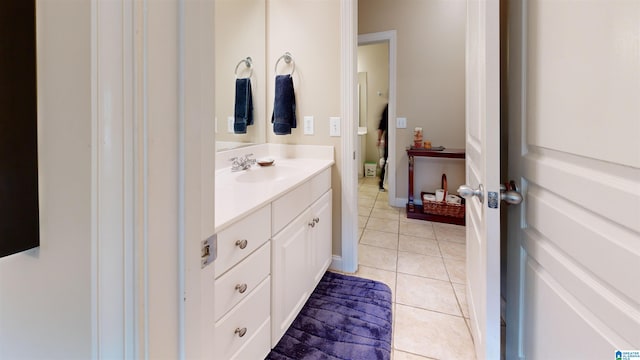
{"x":312,"y":224}
{"x":242,"y":243}
{"x":316,"y":220}
{"x":241,"y":332}
{"x":241,"y":288}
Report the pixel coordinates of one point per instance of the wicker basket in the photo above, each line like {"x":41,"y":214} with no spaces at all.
{"x":442,"y":208}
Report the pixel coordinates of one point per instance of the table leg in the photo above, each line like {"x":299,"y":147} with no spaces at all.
{"x":411,"y":206}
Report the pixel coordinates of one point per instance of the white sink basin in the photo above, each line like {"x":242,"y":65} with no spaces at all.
{"x":266,"y":173}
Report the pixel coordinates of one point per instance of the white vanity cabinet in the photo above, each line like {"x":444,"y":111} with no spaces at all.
{"x":274,"y":236}
{"x":301,"y":250}
{"x":241,"y":302}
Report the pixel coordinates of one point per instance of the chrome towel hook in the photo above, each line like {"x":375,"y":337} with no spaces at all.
{"x":248,"y":64}
{"x":288,"y":59}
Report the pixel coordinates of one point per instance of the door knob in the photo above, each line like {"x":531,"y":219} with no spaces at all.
{"x":509,"y":193}
{"x":468,"y":192}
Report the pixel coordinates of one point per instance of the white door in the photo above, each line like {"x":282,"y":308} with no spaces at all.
{"x":483,"y":174}
{"x":573,"y":286}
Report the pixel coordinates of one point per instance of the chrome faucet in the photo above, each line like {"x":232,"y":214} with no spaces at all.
{"x":243,"y":162}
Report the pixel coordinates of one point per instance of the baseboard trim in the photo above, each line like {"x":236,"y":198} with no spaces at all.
{"x":337,"y":264}
{"x":399,"y":202}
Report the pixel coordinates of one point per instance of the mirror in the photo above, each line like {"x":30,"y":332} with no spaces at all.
{"x":362,"y":99}
{"x":239,"y":34}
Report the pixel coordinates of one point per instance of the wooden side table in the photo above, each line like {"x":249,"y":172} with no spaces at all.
{"x":417,"y":212}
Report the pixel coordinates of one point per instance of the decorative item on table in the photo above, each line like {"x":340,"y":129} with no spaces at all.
{"x":427,"y":145}
{"x":441,"y":203}
{"x":417,"y":137}
{"x":428,"y":197}
{"x":453,"y":199}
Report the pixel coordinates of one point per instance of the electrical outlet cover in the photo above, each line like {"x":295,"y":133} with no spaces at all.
{"x":334,"y":126}
{"x":230,"y":121}
{"x":308,"y":125}
{"x":401,"y":123}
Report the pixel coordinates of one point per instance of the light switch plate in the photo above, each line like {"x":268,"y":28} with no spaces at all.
{"x":308,"y":125}
{"x":401,"y":123}
{"x":334,"y":126}
{"x":230,"y":121}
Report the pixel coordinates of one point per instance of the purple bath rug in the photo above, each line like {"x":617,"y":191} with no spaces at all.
{"x":345,"y":318}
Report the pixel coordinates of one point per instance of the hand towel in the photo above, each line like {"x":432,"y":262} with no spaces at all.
{"x":284,"y":107}
{"x":243,"y":107}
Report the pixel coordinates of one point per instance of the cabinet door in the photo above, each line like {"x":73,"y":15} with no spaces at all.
{"x":321,"y":237}
{"x":290,"y":268}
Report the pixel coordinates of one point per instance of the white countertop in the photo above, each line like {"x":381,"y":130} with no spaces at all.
{"x":239,"y":193}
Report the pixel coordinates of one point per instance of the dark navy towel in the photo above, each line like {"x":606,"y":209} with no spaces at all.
{"x":345,"y":318}
{"x":244,"y":106}
{"x":284,"y":106}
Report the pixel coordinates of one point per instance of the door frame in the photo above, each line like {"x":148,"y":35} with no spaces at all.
{"x":389,"y":36}
{"x":129,"y":273}
{"x":516,"y":80}
{"x":348,"y":260}
{"x":114,"y":257}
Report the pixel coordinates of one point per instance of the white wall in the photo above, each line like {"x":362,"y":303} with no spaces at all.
{"x":310,"y":31}
{"x":430,"y":80}
{"x":45,"y":294}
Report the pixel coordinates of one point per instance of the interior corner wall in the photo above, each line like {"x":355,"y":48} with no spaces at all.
{"x":430,"y":81}
{"x":45,"y":293}
{"x":310,"y":31}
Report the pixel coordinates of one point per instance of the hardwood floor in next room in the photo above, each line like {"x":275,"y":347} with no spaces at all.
{"x":424,"y":265}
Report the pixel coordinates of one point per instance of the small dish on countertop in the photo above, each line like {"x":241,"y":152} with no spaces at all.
{"x":266,"y":162}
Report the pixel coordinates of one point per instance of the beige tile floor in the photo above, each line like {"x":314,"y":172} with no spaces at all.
{"x":424,"y":265}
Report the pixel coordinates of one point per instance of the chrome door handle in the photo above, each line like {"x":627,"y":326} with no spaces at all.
{"x":468,"y":192}
{"x":509,"y":193}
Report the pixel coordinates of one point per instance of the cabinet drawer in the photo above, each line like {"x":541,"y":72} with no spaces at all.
{"x":250,"y":315}
{"x":241,"y":280}
{"x":254,"y":229}
{"x":320,"y":184}
{"x":290,"y":205}
{"x":287,"y":207}
{"x":258,"y":346}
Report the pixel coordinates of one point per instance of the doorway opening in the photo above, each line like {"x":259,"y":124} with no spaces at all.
{"x":377,"y":60}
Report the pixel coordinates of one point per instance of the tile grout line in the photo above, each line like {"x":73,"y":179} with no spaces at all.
{"x":396,"y":274}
